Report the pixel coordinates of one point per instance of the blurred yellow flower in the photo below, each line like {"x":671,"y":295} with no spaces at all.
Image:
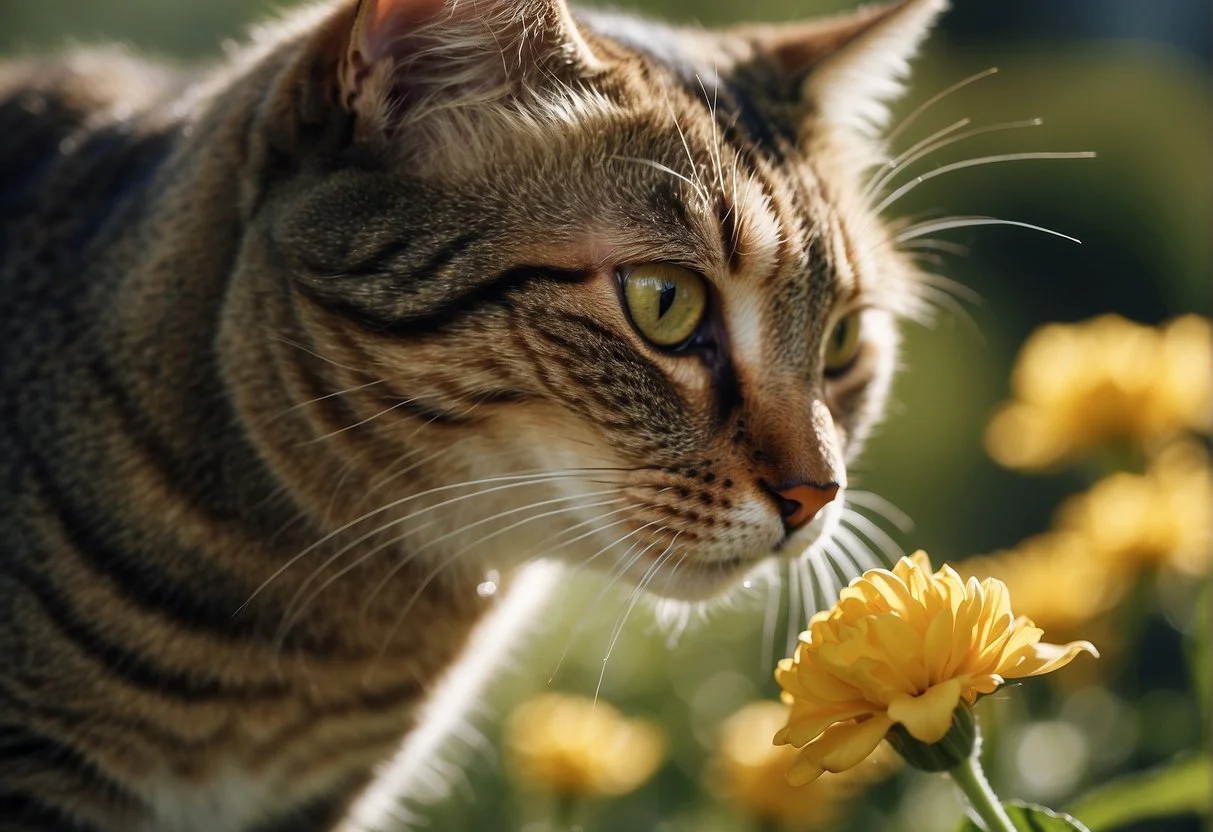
{"x":1079,"y":386}
{"x":902,"y":648}
{"x":1162,"y":517}
{"x":572,"y":745}
{"x":750,"y":772}
{"x":1055,"y":579}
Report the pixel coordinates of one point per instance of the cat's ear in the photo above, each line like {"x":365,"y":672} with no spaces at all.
{"x":404,"y":58}
{"x":852,"y":65}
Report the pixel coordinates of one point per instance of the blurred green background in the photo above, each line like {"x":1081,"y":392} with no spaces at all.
{"x":1129,"y":79}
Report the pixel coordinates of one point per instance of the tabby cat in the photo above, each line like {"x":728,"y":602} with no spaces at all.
{"x":294,"y":352}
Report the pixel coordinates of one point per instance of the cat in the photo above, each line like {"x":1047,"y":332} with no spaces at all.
{"x":296,"y":351}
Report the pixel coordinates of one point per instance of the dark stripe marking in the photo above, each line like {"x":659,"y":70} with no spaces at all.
{"x":449,"y":312}
{"x":198,"y":607}
{"x":134,"y":669}
{"x":24,"y":812}
{"x":22,"y":747}
{"x":120,"y":723}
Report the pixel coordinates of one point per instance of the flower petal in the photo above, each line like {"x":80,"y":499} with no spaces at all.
{"x":929,"y":716}
{"x":848,"y":744}
{"x":805,"y":726}
{"x":803,"y":772}
{"x":1049,"y":657}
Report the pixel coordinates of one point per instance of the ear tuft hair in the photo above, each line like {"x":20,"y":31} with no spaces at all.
{"x":851,"y":65}
{"x":852,"y":86}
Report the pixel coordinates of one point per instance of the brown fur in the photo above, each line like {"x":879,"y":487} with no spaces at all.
{"x":264,"y":330}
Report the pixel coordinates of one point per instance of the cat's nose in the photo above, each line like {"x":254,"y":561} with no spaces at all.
{"x":799,"y":503}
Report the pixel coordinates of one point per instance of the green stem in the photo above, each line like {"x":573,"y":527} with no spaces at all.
{"x":565,"y":814}
{"x":988,"y":808}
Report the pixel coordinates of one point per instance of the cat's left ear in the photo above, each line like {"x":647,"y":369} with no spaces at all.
{"x":407,"y":56}
{"x":851,"y":66}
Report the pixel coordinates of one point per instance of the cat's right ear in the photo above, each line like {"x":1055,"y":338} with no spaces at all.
{"x":850,"y":66}
{"x":390,"y":63}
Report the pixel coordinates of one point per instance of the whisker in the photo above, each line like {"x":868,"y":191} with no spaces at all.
{"x":533,"y":477}
{"x":664,"y":169}
{"x":883,"y":507}
{"x":889,"y":169}
{"x":613,"y":576}
{"x":391,"y":635}
{"x":857,"y":554}
{"x":468,"y":547}
{"x":806,"y":595}
{"x":972,"y":163}
{"x":826,"y":586}
{"x":892,"y":135}
{"x":794,"y":602}
{"x":360,"y":423}
{"x":880,"y":539}
{"x":931,"y":299}
{"x":950,"y":223}
{"x":942,"y":143}
{"x":937,"y":245}
{"x":771,"y":617}
{"x":636,"y":594}
{"x":715,"y":134}
{"x":326,"y":396}
{"x":956,"y":290}
{"x":305,"y":348}
{"x":683,"y":611}
{"x":699,"y":186}
{"x":290,"y":615}
{"x":346,"y":469}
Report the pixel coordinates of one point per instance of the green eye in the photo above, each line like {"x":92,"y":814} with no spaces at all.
{"x":843,"y":345}
{"x":667,"y":303}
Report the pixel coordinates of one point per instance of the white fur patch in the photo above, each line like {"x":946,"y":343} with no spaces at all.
{"x":759,"y":236}
{"x":231,"y":798}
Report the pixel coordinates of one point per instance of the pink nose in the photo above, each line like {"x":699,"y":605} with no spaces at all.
{"x":800,"y":503}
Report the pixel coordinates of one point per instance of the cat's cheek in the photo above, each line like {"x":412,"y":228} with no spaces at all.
{"x":693,"y":380}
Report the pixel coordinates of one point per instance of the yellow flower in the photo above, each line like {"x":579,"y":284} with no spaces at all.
{"x":1162,"y":517}
{"x":575,"y":746}
{"x":905,"y":648}
{"x":1077,"y":387}
{"x":749,"y":771}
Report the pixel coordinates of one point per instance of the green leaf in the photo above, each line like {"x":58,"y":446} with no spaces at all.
{"x":1028,"y":817}
{"x":1180,"y":788}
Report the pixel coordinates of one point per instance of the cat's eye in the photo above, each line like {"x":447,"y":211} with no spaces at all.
{"x":667,"y":303}
{"x":842,"y":346}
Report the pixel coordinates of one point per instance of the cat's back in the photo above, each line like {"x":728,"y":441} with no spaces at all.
{"x":81,"y":136}
{"x":51,"y":109}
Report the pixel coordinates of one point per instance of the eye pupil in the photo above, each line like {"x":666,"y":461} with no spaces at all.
{"x":666,"y":303}
{"x":666,"y":300}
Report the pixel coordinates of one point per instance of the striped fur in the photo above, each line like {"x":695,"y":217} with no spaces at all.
{"x":294,"y":351}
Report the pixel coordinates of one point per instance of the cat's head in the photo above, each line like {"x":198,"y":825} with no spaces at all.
{"x":636,"y":263}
